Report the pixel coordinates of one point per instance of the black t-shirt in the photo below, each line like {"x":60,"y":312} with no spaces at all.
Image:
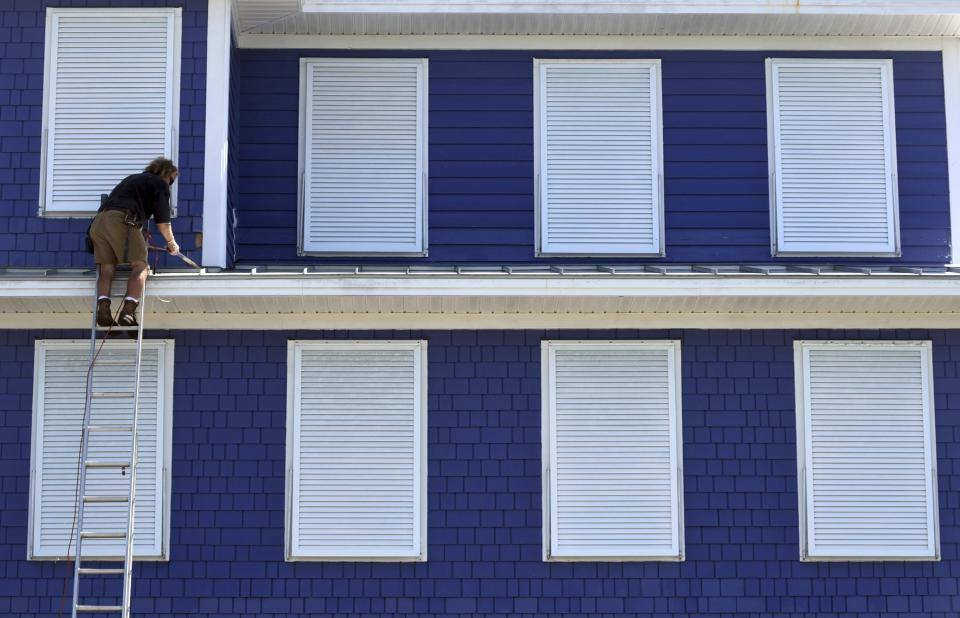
{"x":145,"y":195}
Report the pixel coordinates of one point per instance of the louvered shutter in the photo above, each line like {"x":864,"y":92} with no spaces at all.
{"x":599,"y":157}
{"x":111,"y":100}
{"x":363,"y":162}
{"x":59,"y":399}
{"x":613,"y":451}
{"x":866,"y":450}
{"x":357,"y":440}
{"x":833,"y":156}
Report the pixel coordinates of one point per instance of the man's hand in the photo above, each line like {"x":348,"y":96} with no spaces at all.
{"x":172,"y":247}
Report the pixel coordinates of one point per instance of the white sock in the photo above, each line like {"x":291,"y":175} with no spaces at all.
{"x":102,"y":297}
{"x":133,"y":299}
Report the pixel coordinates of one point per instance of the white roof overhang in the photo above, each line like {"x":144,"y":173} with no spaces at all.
{"x":260,"y":22}
{"x":283,"y":300}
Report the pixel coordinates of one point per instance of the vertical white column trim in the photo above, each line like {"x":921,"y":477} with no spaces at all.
{"x":951,"y":100}
{"x":219,"y":28}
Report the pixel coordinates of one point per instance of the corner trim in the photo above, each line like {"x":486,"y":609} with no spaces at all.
{"x":951,"y":96}
{"x":217,"y":133}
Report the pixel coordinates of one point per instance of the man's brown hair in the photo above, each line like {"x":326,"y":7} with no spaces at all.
{"x":161,"y":166}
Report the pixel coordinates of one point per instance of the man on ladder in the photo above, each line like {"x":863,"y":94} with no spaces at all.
{"x":118,"y":235}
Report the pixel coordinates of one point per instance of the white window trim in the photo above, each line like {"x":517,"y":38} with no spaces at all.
{"x":548,"y":349}
{"x":801,"y":349}
{"x":539,"y":146}
{"x":166,"y":347}
{"x":423,"y":188}
{"x":774,"y":163}
{"x":294,"y":350}
{"x":173,"y":96}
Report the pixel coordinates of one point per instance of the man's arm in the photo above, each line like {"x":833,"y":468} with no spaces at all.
{"x":166,"y":231}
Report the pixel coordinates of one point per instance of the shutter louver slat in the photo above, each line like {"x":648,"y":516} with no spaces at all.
{"x":866,"y":442}
{"x":110,"y":101}
{"x":613,"y":451}
{"x":833,"y":156}
{"x":364,"y":157}
{"x":599,"y":158}
{"x":60,"y":400}
{"x":358,"y":449}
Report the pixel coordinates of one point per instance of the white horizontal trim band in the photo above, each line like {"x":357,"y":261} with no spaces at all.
{"x":773,"y":7}
{"x":645,"y":286}
{"x":600,"y":42}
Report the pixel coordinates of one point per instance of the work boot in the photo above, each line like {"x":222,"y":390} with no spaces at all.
{"x":104,"y":313}
{"x":128,"y":313}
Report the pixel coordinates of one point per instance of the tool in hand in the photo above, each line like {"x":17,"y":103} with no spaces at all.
{"x":185,"y":259}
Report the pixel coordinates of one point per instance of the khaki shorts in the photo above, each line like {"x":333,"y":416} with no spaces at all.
{"x":115,"y":242}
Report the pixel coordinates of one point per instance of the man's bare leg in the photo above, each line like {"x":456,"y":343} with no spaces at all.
{"x":138,"y":276}
{"x":105,"y":279}
{"x":128,"y":312}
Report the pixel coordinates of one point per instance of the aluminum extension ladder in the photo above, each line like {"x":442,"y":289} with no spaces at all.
{"x":125,"y":466}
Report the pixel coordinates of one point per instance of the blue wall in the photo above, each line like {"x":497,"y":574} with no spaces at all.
{"x":484,"y":491}
{"x":27,"y":239}
{"x":481,"y":154}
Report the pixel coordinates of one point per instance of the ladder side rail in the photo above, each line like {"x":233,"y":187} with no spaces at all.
{"x":84,"y":447}
{"x":128,"y":554}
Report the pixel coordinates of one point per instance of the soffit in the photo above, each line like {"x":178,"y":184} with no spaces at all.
{"x":632,"y":17}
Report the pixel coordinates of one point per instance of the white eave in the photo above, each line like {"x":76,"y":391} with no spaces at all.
{"x":262,"y":22}
{"x":786,"y":7}
{"x":280,"y":300}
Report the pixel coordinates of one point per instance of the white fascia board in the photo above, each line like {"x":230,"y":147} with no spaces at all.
{"x":774,"y":7}
{"x":502,"y":321}
{"x":217,"y":132}
{"x":588,"y":42}
{"x":279,"y":302}
{"x":951,"y":95}
{"x":691,"y":286}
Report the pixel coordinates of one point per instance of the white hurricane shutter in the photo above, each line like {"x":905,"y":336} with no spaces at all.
{"x":599,"y":157}
{"x":111,"y":100}
{"x":363,"y":158}
{"x":612,"y":449}
{"x":59,"y":401}
{"x":833,"y":156}
{"x":867,"y":451}
{"x":357,"y":449}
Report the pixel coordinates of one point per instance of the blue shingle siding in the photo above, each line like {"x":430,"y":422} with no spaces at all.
{"x":481,"y":154}
{"x":27,"y":239}
{"x":484,"y":491}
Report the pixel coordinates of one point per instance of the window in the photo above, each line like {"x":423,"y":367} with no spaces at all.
{"x":598,"y":157}
{"x":832,"y":158}
{"x":363,"y":156}
{"x":356,"y":451}
{"x":60,"y":371}
{"x":612,"y":450}
{"x":866,"y":450}
{"x":111,"y":101}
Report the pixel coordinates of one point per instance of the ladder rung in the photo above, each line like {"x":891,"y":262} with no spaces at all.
{"x":99,"y":608}
{"x":112,"y":394}
{"x":107,"y":464}
{"x":110,"y":428}
{"x":103,"y":535}
{"x":100,"y":571}
{"x":89,"y":499}
{"x":116,"y":328}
